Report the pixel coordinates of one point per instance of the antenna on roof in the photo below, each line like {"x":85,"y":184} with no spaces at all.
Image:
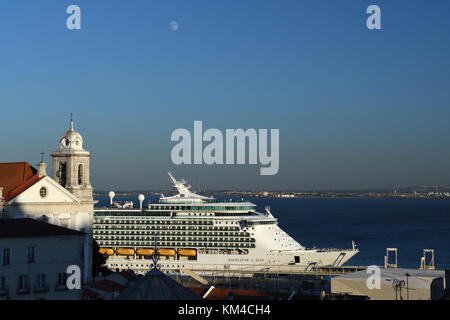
{"x":155,"y":256}
{"x":71,"y":121}
{"x":42,"y":156}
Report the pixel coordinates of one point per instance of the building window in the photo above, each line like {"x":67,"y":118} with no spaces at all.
{"x":3,"y":285}
{"x":30,"y":255}
{"x":43,"y":192}
{"x":41,"y":282}
{"x":23,"y":284}
{"x":61,"y":174}
{"x":61,"y":281}
{"x":6,"y":256}
{"x":80,"y":174}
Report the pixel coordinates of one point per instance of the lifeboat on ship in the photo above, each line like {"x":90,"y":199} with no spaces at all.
{"x":106,"y":251}
{"x":125,"y":252}
{"x":166,"y":252}
{"x":145,"y":252}
{"x":187,"y":252}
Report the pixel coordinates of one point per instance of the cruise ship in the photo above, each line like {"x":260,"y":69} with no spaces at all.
{"x":193,"y":232}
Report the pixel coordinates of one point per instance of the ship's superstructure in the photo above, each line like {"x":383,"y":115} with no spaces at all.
{"x":195,"y":232}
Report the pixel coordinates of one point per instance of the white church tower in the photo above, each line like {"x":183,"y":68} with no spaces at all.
{"x":71,"y":165}
{"x":71,"y":168}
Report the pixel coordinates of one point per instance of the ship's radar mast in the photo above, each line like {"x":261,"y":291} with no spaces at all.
{"x":268,"y":211}
{"x":184,"y":193}
{"x":181,"y":186}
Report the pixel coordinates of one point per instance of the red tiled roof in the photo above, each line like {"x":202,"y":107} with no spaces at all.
{"x":91,"y":295}
{"x":101,"y":288}
{"x":21,"y":188}
{"x":16,"y":177}
{"x":129,"y":275}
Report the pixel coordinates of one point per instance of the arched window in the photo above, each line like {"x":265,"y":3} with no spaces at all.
{"x":61,"y":174}
{"x":80,"y":174}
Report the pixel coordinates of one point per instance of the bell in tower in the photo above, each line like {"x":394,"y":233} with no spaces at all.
{"x":71,"y":165}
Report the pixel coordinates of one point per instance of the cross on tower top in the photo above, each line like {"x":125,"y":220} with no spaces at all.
{"x":71,"y":121}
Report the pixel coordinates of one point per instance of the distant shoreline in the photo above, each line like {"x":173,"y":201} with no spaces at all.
{"x":295,"y":194}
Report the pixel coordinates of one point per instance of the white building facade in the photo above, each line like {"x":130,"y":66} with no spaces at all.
{"x":34,"y":259}
{"x":65,"y":200}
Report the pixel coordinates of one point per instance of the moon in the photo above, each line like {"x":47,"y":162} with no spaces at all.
{"x":173,"y":25}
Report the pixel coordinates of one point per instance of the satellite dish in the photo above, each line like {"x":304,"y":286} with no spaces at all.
{"x":141,"y":199}
{"x":111,"y":195}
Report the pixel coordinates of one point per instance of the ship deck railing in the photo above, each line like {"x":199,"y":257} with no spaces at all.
{"x":331,"y":249}
{"x":209,"y":200}
{"x":277,"y":271}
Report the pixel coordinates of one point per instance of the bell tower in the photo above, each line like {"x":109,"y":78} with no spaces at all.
{"x":71,"y":165}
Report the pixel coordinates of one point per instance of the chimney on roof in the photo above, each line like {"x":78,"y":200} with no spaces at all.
{"x":1,"y":194}
{"x":42,"y":169}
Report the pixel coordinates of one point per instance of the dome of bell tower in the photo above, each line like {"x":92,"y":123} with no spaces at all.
{"x":71,"y":139}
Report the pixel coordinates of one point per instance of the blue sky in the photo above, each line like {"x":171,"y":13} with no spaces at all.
{"x":355,"y":108}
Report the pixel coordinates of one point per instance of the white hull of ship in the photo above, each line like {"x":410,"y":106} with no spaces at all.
{"x":276,"y":262}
